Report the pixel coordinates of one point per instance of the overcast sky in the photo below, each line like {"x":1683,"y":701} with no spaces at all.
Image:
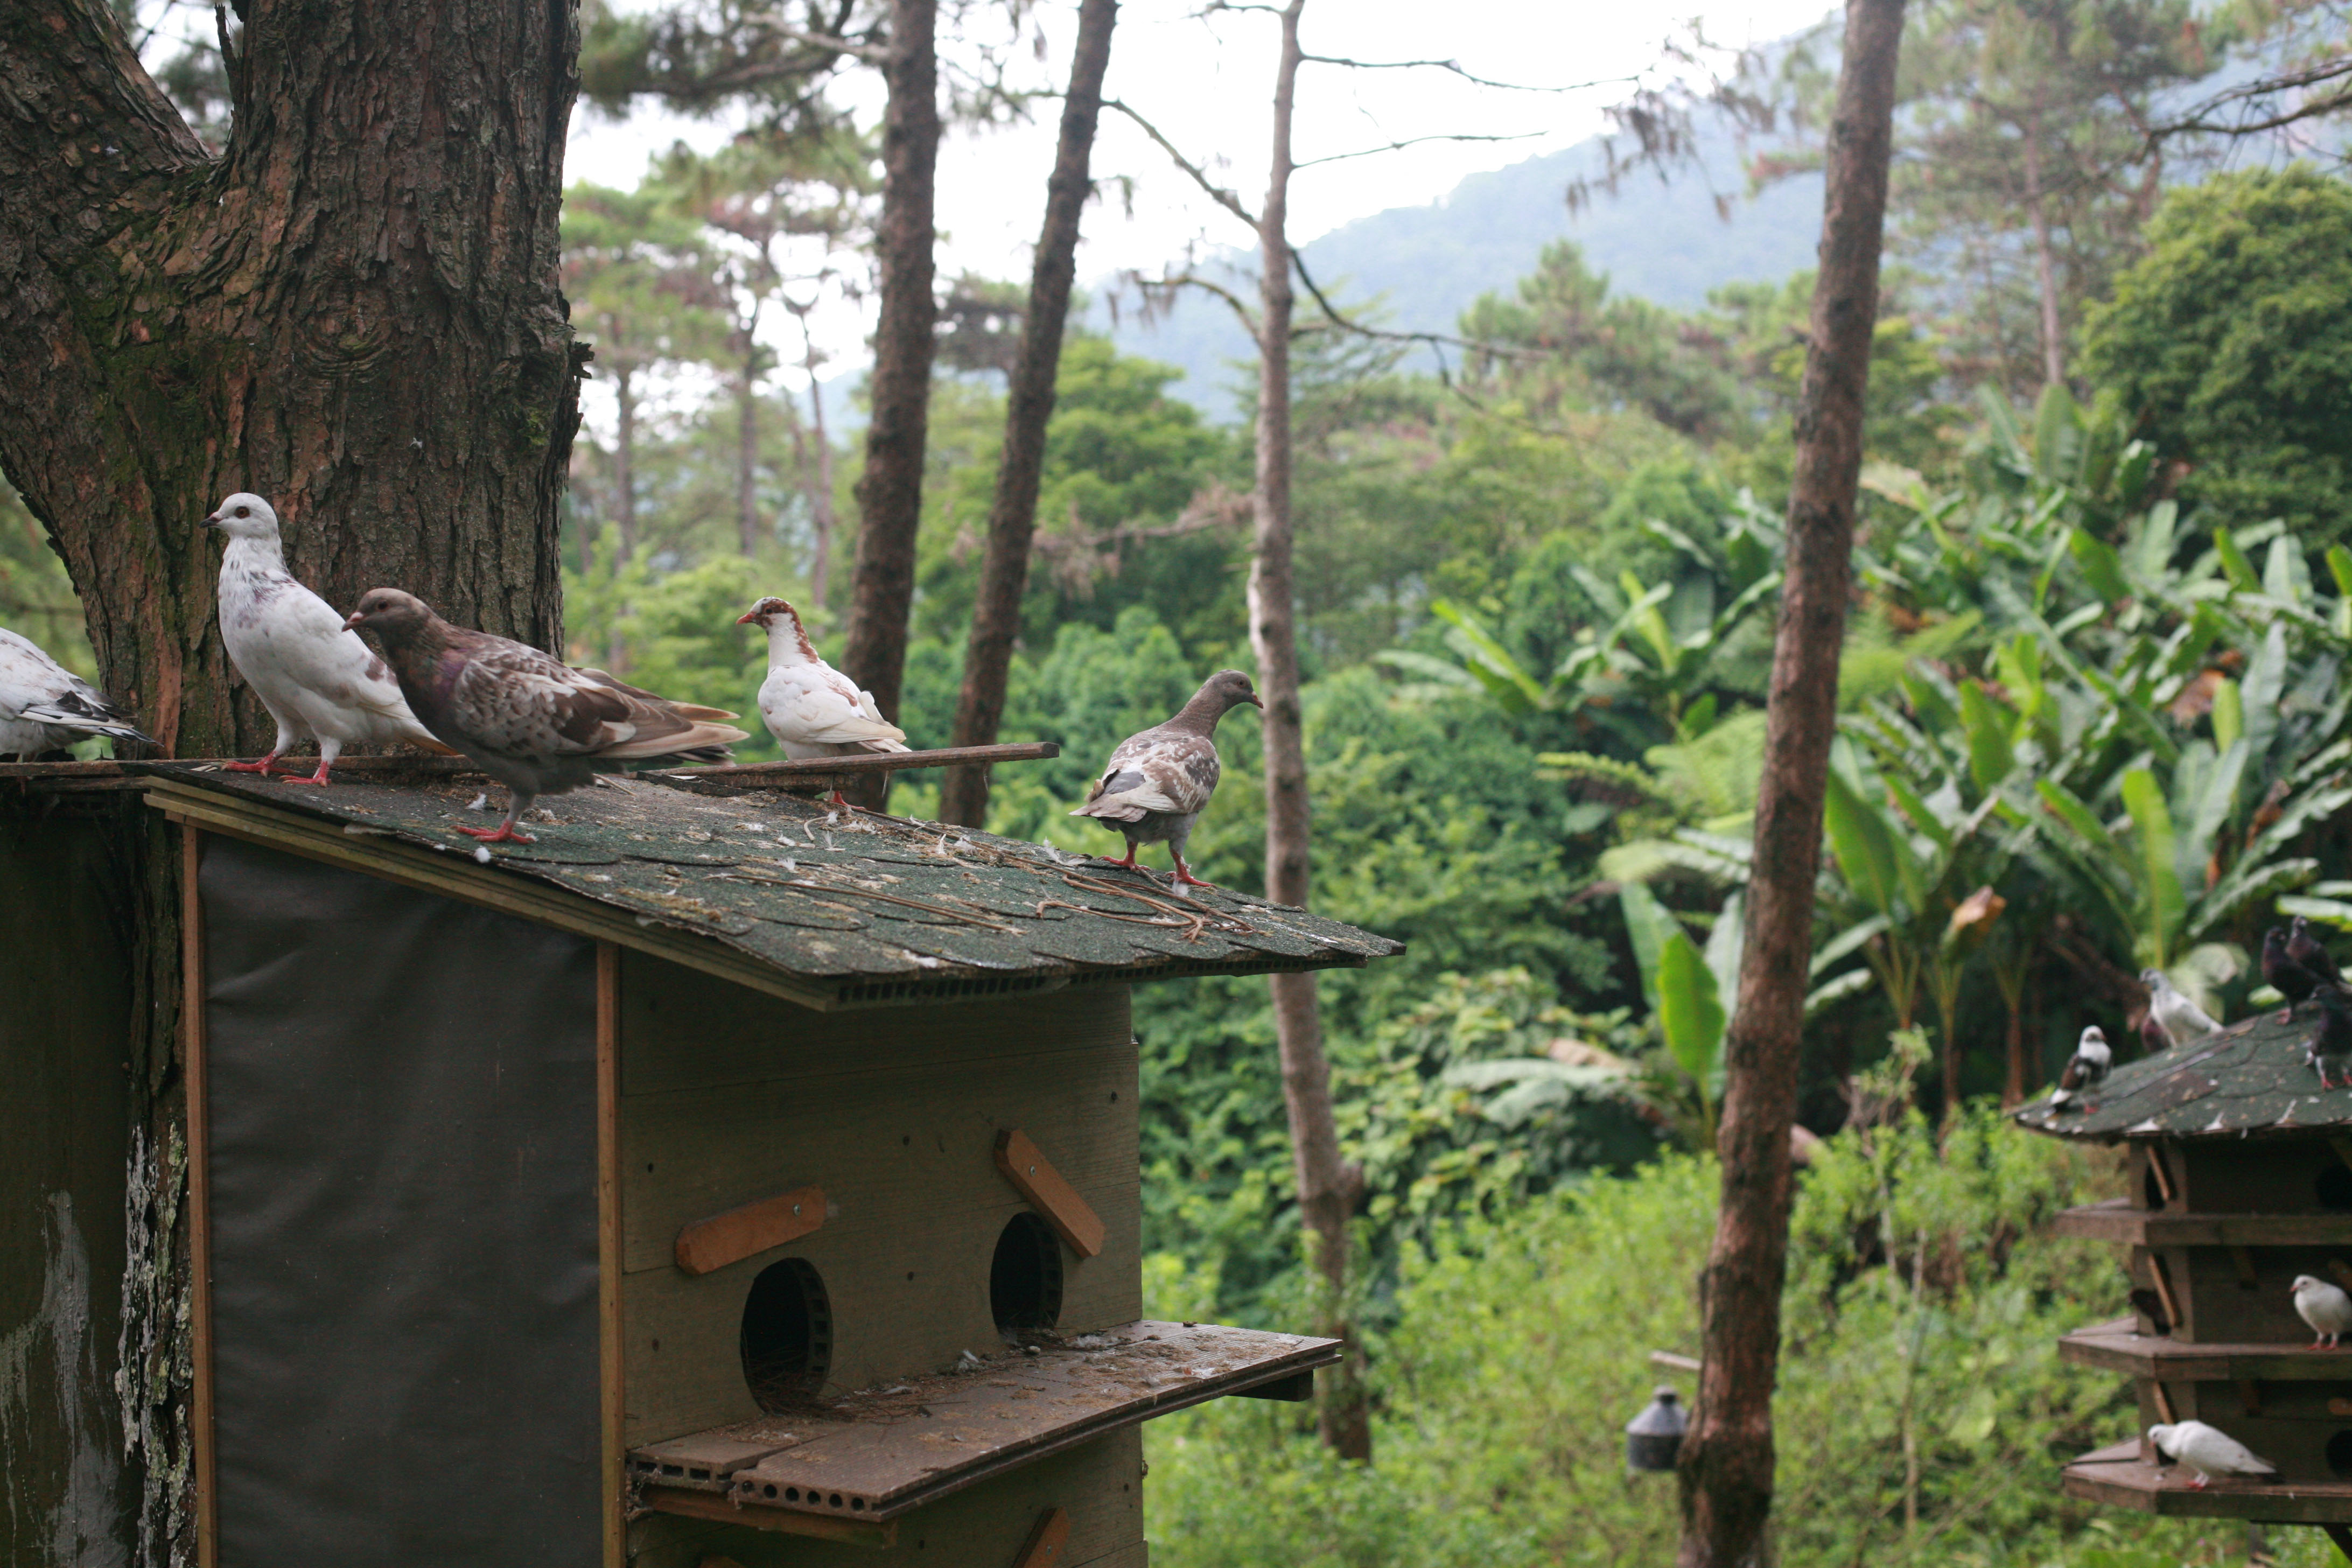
{"x":1207,"y":84}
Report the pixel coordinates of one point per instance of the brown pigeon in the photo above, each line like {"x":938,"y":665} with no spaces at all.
{"x":527,"y":719}
{"x":1158,"y":782}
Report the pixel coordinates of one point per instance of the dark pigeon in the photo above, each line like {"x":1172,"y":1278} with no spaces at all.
{"x":528,"y":720}
{"x":2330,"y":1047}
{"x":1158,"y":782}
{"x":2305,"y":949}
{"x":2290,"y":979}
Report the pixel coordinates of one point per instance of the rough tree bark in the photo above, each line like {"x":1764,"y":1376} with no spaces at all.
{"x":1328,"y":1187}
{"x":1029,"y":407}
{"x":1728,"y":1455}
{"x":890,"y":492}
{"x":355,"y":310}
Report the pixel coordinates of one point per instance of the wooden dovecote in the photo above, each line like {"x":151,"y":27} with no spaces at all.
{"x":723,"y":1176}
{"x":2238,"y":1179}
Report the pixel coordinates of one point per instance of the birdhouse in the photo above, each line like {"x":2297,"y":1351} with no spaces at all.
{"x":2238,"y":1177}
{"x":723,"y":1176}
{"x":1654,"y":1439}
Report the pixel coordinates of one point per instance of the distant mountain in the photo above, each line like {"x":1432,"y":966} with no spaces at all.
{"x":1660,"y":240}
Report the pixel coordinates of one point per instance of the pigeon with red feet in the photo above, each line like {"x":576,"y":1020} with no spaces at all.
{"x":811,"y":709}
{"x":1157,"y":782}
{"x":529,"y":720}
{"x":318,"y":681}
{"x":2288,"y":977}
{"x":45,"y":707}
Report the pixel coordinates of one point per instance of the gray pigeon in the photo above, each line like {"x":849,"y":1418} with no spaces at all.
{"x":2181,"y":1019}
{"x":45,"y":707}
{"x":527,"y":719}
{"x":1157,"y":782}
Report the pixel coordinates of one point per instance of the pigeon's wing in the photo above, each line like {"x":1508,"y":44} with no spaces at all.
{"x":813,"y":704}
{"x":2212,"y":1449}
{"x":313,"y":648}
{"x":516,"y":700}
{"x":37,"y":689}
{"x":1158,"y":771}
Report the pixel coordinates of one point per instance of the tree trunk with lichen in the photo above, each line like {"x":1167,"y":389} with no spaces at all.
{"x":1028,"y":410}
{"x":354,"y":310}
{"x":1726,"y":1464}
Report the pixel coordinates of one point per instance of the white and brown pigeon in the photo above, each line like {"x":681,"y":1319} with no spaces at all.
{"x":526,"y":718}
{"x":811,"y":709}
{"x":45,"y":707}
{"x":2086,"y":1071}
{"x":312,"y":671}
{"x":1158,"y":783}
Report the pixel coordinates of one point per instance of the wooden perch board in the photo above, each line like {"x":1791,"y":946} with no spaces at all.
{"x":708,"y":1245}
{"x":1035,"y":1178}
{"x":873,"y":1455}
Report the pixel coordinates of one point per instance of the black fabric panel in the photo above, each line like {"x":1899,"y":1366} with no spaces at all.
{"x":403,"y":1220}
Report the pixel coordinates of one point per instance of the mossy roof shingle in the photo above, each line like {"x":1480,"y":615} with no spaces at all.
{"x":2249,"y":1080}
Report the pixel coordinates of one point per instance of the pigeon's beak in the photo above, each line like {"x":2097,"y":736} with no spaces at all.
{"x":747,"y":617}
{"x":1257,"y":703}
{"x":212,"y":521}
{"x":356,"y":619}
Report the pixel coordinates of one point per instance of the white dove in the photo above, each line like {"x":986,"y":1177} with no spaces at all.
{"x":2183,"y":1020}
{"x":2087,"y":1069}
{"x":811,"y":709}
{"x":45,"y":707}
{"x":2208,"y":1450}
{"x":318,"y":680}
{"x":2325,"y":1307}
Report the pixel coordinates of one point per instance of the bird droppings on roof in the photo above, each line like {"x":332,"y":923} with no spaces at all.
{"x":2249,"y":1079}
{"x":846,"y":898}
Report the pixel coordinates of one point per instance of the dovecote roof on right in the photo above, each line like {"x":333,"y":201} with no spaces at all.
{"x":2251,"y":1081}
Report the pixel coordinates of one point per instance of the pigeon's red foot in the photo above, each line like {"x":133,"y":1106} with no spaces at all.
{"x":837,"y":800}
{"x":504,"y":833}
{"x":262,"y":767}
{"x":290,"y":776}
{"x":2201,"y":1483}
{"x":2286,"y":1014}
{"x":1186,"y":879}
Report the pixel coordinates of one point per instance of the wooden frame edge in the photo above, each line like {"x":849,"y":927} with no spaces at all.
{"x":612,"y":1401}
{"x":195,"y":1083}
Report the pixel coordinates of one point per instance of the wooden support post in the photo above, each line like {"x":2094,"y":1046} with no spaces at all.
{"x":610,"y":1343}
{"x":200,"y":1209}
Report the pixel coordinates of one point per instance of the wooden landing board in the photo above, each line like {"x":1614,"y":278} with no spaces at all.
{"x":2115,"y":1347}
{"x":2116,"y":1220}
{"x":876,"y":1454}
{"x":2120,"y":1477}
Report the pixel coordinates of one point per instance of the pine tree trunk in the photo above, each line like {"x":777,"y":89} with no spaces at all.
{"x":890,"y":492}
{"x":625,"y":470}
{"x":1029,"y":407}
{"x":1728,"y":1455}
{"x":821,"y":503}
{"x":747,"y":447}
{"x":355,"y":311}
{"x":2045,"y":261}
{"x":1327,"y":1188}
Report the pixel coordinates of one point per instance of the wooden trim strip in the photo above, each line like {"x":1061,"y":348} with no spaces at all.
{"x":710,"y":1245}
{"x":2164,"y":1289}
{"x":821,"y":1526}
{"x":194,"y":1081}
{"x":611,"y":1344}
{"x":1045,"y":1543}
{"x":1049,"y":1193}
{"x":2156,"y":1162}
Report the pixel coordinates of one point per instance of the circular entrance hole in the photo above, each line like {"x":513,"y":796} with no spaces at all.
{"x":787,"y":1335}
{"x":2334,"y":1188}
{"x":1024,"y":1280}
{"x":2339,"y":1455}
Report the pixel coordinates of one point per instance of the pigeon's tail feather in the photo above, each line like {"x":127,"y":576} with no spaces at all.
{"x":67,"y":714}
{"x":701,"y":738}
{"x":883,"y":745}
{"x":428,"y":743}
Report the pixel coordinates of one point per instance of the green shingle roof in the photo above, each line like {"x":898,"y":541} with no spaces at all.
{"x":854,"y":907}
{"x":2249,"y":1080}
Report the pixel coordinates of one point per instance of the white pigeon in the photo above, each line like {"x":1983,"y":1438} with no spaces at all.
{"x":811,"y":709}
{"x":2087,"y":1069}
{"x":45,"y":707}
{"x":2208,"y":1450}
{"x":2182,"y":1019}
{"x":318,"y":680}
{"x":2325,"y":1307}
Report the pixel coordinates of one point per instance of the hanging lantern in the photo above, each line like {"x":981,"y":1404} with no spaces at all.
{"x":1654,"y":1437}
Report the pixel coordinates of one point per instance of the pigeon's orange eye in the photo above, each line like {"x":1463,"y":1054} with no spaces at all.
{"x":241,"y":512}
